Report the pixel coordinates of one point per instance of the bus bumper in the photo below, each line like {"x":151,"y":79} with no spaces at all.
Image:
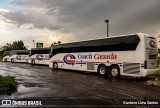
{"x":50,"y":65}
{"x":29,"y":61}
{"x":9,"y":60}
{"x":148,"y":72}
{"x":5,"y":59}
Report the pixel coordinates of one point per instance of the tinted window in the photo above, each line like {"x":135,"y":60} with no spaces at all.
{"x":20,"y":52}
{"x":42,"y":51}
{"x":6,"y":53}
{"x":125,"y":43}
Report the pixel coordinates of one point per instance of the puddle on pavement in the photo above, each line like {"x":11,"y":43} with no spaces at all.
{"x":27,"y":91}
{"x":22,"y":88}
{"x":32,"y":85}
{"x":2,"y":72}
{"x":5,"y":96}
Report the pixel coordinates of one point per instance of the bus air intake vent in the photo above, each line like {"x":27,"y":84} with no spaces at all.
{"x":90,"y":66}
{"x":152,"y":56}
{"x":131,"y":68}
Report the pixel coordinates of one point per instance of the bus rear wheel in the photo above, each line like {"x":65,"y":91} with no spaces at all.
{"x":115,"y":72}
{"x":55,"y":66}
{"x":102,"y":70}
{"x":33,"y":62}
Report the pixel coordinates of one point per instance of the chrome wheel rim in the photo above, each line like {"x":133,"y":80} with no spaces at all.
{"x":102,"y":70}
{"x":114,"y":72}
{"x":55,"y":65}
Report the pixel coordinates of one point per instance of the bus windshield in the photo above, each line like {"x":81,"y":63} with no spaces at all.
{"x":6,"y":53}
{"x":40,"y":51}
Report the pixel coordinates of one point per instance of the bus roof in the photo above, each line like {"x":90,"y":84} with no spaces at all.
{"x":6,"y":53}
{"x":103,"y":41}
{"x":139,"y":34}
{"x":19,"y":51}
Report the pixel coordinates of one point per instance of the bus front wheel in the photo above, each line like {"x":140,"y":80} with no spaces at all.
{"x":102,"y":70}
{"x":115,"y":71}
{"x":55,"y":66}
{"x":11,"y":60}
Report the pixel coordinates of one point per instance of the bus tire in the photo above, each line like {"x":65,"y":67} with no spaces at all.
{"x":55,"y":65}
{"x":102,"y":70}
{"x":33,"y":62}
{"x":11,"y":60}
{"x":114,"y":71}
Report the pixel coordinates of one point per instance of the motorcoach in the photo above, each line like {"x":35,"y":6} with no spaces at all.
{"x":127,"y":55}
{"x":19,"y":56}
{"x":6,"y":56}
{"x":39,"y":56}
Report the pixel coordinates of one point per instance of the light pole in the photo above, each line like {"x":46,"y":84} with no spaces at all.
{"x":33,"y":44}
{"x":107,"y":21}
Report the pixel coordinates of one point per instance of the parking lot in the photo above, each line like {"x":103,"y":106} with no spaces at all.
{"x":41,"y":81}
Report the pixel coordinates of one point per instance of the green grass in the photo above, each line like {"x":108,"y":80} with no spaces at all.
{"x":8,"y":81}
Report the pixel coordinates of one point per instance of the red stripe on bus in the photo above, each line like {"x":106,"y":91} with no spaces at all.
{"x":91,"y":62}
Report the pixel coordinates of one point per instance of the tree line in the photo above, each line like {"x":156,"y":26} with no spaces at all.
{"x":16,"y":45}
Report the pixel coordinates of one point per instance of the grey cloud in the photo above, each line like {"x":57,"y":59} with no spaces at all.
{"x":142,"y":20}
{"x":37,"y":19}
{"x":86,"y":17}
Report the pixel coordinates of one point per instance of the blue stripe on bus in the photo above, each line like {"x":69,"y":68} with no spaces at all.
{"x":60,"y":62}
{"x":84,"y":63}
{"x":42,"y":59}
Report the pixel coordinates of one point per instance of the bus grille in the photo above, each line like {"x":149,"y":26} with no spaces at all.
{"x":152,"y":56}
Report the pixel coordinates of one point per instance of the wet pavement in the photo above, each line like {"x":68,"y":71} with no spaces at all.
{"x":43,"y":82}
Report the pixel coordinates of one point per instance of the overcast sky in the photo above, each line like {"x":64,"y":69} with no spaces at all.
{"x":74,"y":20}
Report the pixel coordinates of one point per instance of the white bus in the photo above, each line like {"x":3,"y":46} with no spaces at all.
{"x":39,"y":56}
{"x":129,"y":55}
{"x":6,"y":56}
{"x":19,"y":56}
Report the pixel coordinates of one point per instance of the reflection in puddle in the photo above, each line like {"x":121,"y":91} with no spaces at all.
{"x":28,"y":92}
{"x":24,"y":89}
{"x":5,"y":96}
{"x":2,"y":72}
